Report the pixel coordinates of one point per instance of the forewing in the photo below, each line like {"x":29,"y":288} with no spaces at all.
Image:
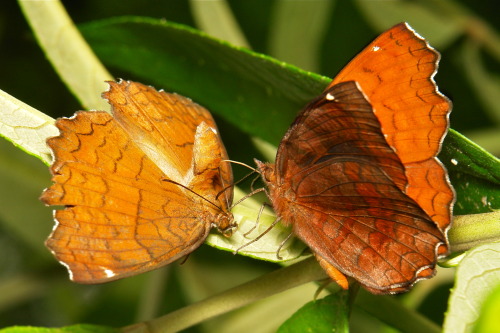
{"x":396,"y":71}
{"x":120,"y":218}
{"x":163,"y":125}
{"x":347,"y":203}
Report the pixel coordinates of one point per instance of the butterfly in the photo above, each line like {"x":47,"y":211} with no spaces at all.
{"x":356,"y":174}
{"x":141,"y":187}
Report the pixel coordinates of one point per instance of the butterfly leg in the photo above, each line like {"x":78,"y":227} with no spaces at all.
{"x":334,"y":273}
{"x":281,"y":246}
{"x":258,"y":237}
{"x":257,"y":221}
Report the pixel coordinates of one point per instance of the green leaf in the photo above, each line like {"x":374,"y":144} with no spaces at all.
{"x":477,"y":274}
{"x":270,"y":241}
{"x":488,"y":317}
{"x":70,"y":55}
{"x":329,"y":314}
{"x":255,"y":92}
{"x":82,"y":328}
{"x":462,"y":155}
{"x":474,"y":173}
{"x":26,"y":127}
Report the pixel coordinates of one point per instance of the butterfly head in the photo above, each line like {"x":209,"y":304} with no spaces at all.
{"x":225,"y":224}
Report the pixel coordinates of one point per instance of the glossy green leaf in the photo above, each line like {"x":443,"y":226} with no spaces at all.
{"x":329,"y":314}
{"x":219,"y":68}
{"x":269,"y":242}
{"x":252,"y":91}
{"x":462,"y":155}
{"x":474,"y":173}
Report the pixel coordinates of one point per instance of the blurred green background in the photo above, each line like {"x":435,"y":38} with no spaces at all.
{"x":34,"y":287}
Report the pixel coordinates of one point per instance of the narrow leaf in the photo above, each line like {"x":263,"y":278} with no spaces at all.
{"x":254,"y":92}
{"x":70,"y":55}
{"x":26,"y":127}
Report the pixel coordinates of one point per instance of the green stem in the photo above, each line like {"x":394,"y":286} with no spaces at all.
{"x":473,"y":230}
{"x":275,"y":282}
{"x":393,"y":313}
{"x":152,"y":295}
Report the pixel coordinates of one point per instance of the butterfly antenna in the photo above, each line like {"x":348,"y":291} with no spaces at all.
{"x":224,"y":188}
{"x":241,"y":163}
{"x":248,"y":196}
{"x":239,"y":181}
{"x":190,"y":190}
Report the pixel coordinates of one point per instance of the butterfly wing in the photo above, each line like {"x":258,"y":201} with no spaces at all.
{"x":396,"y":71}
{"x":162,"y":124}
{"x":336,"y":183}
{"x":121,"y":216}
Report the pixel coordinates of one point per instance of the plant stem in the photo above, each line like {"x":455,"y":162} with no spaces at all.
{"x":275,"y":282}
{"x":393,"y":313}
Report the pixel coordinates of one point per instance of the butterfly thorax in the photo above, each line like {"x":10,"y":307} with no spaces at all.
{"x":280,"y":199}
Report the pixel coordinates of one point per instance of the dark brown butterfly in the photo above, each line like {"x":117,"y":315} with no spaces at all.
{"x":356,"y":175}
